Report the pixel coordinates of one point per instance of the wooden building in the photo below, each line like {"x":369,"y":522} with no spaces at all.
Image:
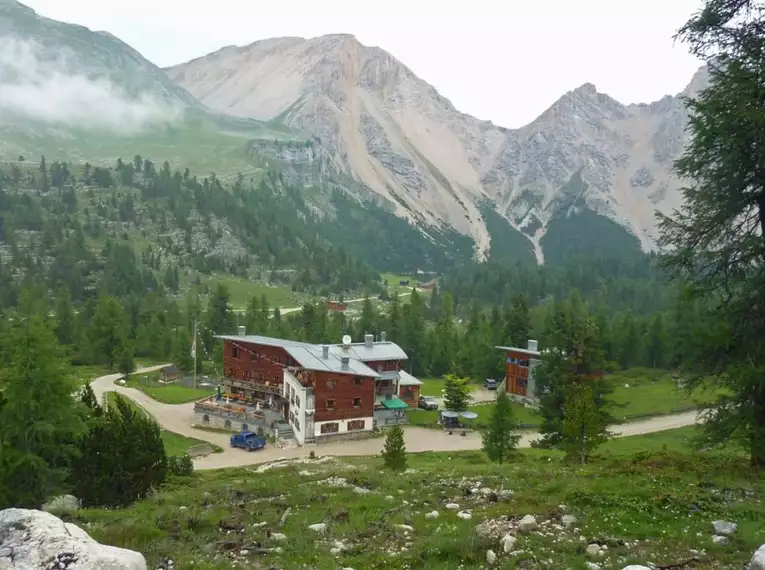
{"x":322,"y":391}
{"x":519,"y":369}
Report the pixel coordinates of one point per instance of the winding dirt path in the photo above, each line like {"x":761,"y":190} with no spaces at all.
{"x":179,"y":418}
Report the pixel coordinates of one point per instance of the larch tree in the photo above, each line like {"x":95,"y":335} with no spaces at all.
{"x":584,"y":427}
{"x":499,"y":440}
{"x":456,"y":393}
{"x":39,"y":417}
{"x":716,"y":242}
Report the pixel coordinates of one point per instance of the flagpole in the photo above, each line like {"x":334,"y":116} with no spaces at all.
{"x":195,"y":353}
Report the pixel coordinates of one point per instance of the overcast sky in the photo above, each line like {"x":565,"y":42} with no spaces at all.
{"x":503,"y":60}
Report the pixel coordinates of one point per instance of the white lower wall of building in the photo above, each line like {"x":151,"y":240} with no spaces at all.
{"x":298,"y":397}
{"x":342,"y":426}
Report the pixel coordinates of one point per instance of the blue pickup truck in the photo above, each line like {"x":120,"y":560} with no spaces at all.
{"x":248,"y":440}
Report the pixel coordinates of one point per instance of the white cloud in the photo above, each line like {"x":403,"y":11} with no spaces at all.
{"x":48,"y":90}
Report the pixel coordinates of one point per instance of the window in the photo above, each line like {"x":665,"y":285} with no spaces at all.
{"x":356,"y":424}
{"x":235,"y":351}
{"x":206,"y":419}
{"x":330,"y":384}
{"x":330,"y":404}
{"x":333,"y":427}
{"x":227,"y":423}
{"x":245,"y":427}
{"x":297,"y":401}
{"x":358,"y":380}
{"x":407,"y":394}
{"x":357,"y":402}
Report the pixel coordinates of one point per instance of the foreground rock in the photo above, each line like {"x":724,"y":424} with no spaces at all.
{"x":758,"y":560}
{"x":32,"y":540}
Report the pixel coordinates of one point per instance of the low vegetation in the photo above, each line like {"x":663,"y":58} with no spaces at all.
{"x":655,"y":506}
{"x":168,"y":393}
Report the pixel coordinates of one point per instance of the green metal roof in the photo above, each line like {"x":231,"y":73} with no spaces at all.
{"x":394,"y":404}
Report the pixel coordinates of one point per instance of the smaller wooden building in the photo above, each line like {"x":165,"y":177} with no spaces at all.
{"x":519,"y":369}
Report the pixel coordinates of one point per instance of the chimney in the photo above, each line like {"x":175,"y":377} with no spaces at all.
{"x":533,"y":345}
{"x":241,"y":330}
{"x":344,"y":362}
{"x":325,"y":351}
{"x":369,"y":340}
{"x":383,"y":336}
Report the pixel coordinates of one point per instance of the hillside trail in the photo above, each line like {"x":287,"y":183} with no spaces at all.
{"x":179,"y":418}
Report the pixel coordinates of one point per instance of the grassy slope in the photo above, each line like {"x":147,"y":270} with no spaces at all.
{"x":166,"y":393}
{"x":649,"y":507}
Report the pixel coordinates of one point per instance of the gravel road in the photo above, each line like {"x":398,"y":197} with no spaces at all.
{"x":179,"y":418}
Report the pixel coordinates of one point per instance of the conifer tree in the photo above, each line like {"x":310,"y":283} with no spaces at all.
{"x":584,"y":427}
{"x":499,"y":441}
{"x":456,"y":393}
{"x":394,"y":452}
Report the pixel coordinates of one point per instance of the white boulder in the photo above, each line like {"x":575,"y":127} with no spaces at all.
{"x":724,"y":528}
{"x":758,"y":559}
{"x":37,"y":539}
{"x":528,"y":523}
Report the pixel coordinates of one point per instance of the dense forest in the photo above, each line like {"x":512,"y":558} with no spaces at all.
{"x":65,"y":223}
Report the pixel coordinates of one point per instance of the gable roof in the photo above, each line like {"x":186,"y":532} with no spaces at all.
{"x":310,"y":356}
{"x":381,"y":350}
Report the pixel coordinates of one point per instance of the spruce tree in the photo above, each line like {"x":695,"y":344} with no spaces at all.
{"x":394,"y":452}
{"x":499,"y":441}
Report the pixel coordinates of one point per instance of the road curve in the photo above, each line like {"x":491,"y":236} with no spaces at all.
{"x":179,"y":418}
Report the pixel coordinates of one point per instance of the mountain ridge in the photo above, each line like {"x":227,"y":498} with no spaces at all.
{"x":396,"y":134}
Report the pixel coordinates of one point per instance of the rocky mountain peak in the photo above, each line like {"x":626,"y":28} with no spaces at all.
{"x":395,"y":134}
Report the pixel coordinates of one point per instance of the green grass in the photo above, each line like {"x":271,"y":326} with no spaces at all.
{"x":638,"y":393}
{"x":429,"y":418}
{"x":644,"y":392}
{"x":167,"y":393}
{"x":649,"y":507}
{"x":242,"y":291}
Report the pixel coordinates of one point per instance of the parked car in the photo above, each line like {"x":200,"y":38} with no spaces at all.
{"x":248,"y":440}
{"x":428,"y":403}
{"x":490,"y":384}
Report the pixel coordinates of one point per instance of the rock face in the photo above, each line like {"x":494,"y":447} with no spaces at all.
{"x":32,"y":540}
{"x":393,"y":132}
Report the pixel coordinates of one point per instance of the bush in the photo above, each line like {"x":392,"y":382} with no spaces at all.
{"x":181,"y":466}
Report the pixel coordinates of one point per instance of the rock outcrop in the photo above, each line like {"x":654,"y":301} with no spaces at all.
{"x":392,"y":131}
{"x":36,"y":540}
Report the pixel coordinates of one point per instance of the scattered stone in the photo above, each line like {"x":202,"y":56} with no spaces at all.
{"x":758,"y":559}
{"x":568,"y":520}
{"x":508,"y":543}
{"x":284,"y":516}
{"x":318,"y":527}
{"x":278,"y":536}
{"x":636,"y":567}
{"x":464,"y":515}
{"x":491,"y":557}
{"x":724,"y":528}
{"x":593,"y":550}
{"x":36,"y":539}
{"x":592,"y":566}
{"x":452,"y":506}
{"x":720,"y":540}
{"x":528,"y":523}
{"x":432,"y":515}
{"x":405,"y":527}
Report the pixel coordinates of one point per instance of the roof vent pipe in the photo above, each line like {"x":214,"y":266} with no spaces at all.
{"x":369,"y":340}
{"x":325,"y":351}
{"x":241,"y":330}
{"x":344,"y":362}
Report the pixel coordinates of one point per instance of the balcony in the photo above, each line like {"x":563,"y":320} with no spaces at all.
{"x":270,"y":388}
{"x":384,"y":391}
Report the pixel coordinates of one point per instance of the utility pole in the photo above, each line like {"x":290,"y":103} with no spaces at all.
{"x":194,"y":352}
